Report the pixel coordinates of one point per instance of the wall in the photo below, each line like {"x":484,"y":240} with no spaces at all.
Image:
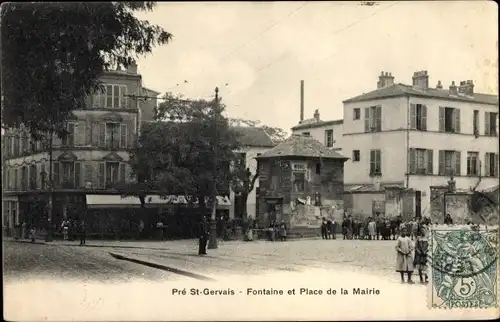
{"x":362,"y":203}
{"x":318,"y":133}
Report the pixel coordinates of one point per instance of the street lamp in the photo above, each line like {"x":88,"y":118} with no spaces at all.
{"x":212,"y":242}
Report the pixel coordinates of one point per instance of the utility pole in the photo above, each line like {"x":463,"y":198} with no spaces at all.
{"x":212,"y":243}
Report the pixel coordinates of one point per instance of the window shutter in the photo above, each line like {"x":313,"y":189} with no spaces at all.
{"x":116,"y":96}
{"x":71,"y":135}
{"x":424,"y":117}
{"x":101,"y":175}
{"x":326,"y":138}
{"x":122,"y":171}
{"x":372,"y":161}
{"x":56,"y":173}
{"x":367,"y":119}
{"x":430,"y":166}
{"x":486,"y":164}
{"x":109,"y":96}
{"x":123,"y":97}
{"x":441,"y":119}
{"x":442,"y":166}
{"x":378,"y":160}
{"x":80,"y":136}
{"x":123,"y":135}
{"x":78,"y":174}
{"x":457,"y":120}
{"x":496,"y":165}
{"x":102,"y":135}
{"x":413,"y":161}
{"x":487,"y":123}
{"x":413,"y":116}
{"x":378,"y":111}
{"x":458,"y":157}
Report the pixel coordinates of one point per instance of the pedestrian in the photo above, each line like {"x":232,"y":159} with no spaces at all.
{"x":333,"y":231}
{"x":372,"y":228}
{"x":82,"y":232}
{"x":65,"y":229}
{"x":421,"y":249}
{"x":272,"y":231}
{"x":414,"y":228}
{"x":379,"y":224}
{"x":329,"y":228}
{"x":24,"y":233}
{"x":159,"y":228}
{"x":282,"y":230}
{"x":203,"y":233}
{"x":32,"y":234}
{"x":349,"y":227}
{"x":448,"y":220}
{"x":324,"y":228}
{"x":404,"y":260}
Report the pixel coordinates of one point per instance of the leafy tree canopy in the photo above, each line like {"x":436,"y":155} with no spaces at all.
{"x":277,"y":134}
{"x":176,"y":153}
{"x":54,"y":53}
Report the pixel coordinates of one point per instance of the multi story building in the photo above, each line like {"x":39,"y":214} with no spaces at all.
{"x":328,"y":132}
{"x":92,"y":159}
{"x":416,"y":136}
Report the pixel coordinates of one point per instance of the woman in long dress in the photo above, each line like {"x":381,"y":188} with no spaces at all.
{"x":404,"y":258}
{"x":372,"y":228}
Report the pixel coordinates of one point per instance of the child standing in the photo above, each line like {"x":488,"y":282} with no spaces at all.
{"x":421,"y":248}
{"x":32,"y":234}
{"x":404,"y":260}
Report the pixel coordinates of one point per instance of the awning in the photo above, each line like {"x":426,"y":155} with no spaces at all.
{"x":117,"y":201}
{"x":302,"y":201}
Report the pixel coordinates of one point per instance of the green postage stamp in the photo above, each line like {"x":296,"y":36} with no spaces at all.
{"x":463,"y":266}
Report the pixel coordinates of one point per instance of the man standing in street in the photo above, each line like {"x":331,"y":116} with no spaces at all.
{"x":82,"y":231}
{"x":203,"y":233}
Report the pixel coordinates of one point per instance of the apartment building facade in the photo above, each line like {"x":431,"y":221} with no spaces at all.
{"x":330,"y":133}
{"x":415,"y":136}
{"x":92,"y":159}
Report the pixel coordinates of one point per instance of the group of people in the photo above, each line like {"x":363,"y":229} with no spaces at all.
{"x":70,"y":229}
{"x":411,"y":252}
{"x":277,"y":229}
{"x":328,"y":228}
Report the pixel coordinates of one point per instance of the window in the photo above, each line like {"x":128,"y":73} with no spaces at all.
{"x":490,"y":124}
{"x":375,"y":163}
{"x":16,"y":145}
{"x":7,"y":178}
{"x":418,"y":117}
{"x":299,"y":177}
{"x":112,"y":173}
{"x":329,"y":138}
{"x":306,"y":133}
{"x":421,"y":161}
{"x":449,"y":119}
{"x":356,"y":156}
{"x":33,"y":177}
{"x":43,"y":176}
{"x":69,"y":139}
{"x":113,"y":96}
{"x":475,"y":123}
{"x":16,"y":179}
{"x":68,"y":174}
{"x":24,"y":178}
{"x":356,"y":114}
{"x":318,"y":168}
{"x":472,"y":163}
{"x":112,"y":135}
{"x":373,"y":119}
{"x":491,"y":165}
{"x":449,"y":163}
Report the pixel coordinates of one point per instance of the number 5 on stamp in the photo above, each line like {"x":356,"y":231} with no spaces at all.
{"x":463,"y":268}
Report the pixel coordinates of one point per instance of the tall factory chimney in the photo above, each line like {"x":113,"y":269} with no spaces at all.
{"x":301,"y":100}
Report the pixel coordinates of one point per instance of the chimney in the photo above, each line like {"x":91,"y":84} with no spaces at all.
{"x":132,"y":68}
{"x":385,"y":80}
{"x":301,"y":100}
{"x":316,"y":115}
{"x":453,"y":89}
{"x":466,"y":88}
{"x":421,"y":80}
{"x":439,"y":85}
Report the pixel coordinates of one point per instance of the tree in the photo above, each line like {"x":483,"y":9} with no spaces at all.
{"x":277,"y":134}
{"x":244,"y":184}
{"x":176,"y":154}
{"x":54,"y":53}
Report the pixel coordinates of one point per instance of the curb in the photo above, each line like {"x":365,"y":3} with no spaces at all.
{"x":161,"y":266}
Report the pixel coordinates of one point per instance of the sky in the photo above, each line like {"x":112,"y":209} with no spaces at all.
{"x":258,"y":52}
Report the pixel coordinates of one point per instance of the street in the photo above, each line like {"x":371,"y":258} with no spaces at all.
{"x":27,"y":261}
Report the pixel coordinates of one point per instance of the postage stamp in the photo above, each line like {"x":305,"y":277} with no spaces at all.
{"x":463,"y":267}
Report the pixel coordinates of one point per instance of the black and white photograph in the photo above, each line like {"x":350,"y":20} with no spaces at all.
{"x":250,"y":160}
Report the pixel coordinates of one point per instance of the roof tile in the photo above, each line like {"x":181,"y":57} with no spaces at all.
{"x":302,"y":146}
